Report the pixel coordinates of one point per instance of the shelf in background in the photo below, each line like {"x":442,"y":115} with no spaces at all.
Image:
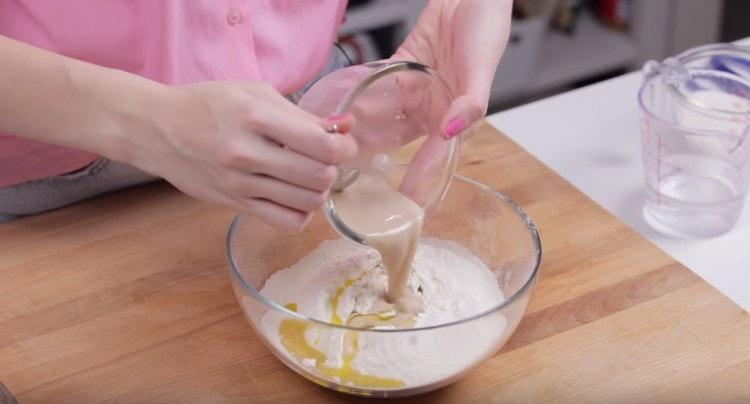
{"x":376,"y":14}
{"x":591,"y":50}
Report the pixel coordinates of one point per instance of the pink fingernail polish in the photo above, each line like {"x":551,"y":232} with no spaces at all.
{"x":339,"y":123}
{"x":454,"y":127}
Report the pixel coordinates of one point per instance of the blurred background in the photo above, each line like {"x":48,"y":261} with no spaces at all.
{"x":558,"y":45}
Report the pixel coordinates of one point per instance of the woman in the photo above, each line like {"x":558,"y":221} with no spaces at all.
{"x":193,"y":92}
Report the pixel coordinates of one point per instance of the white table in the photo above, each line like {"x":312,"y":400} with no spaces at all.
{"x":590,"y":136}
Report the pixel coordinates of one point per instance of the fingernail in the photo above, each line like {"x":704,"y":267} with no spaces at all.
{"x":454,"y":127}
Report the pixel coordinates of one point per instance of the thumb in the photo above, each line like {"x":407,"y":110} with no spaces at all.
{"x":463,"y":112}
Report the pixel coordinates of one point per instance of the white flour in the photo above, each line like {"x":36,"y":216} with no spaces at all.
{"x":453,"y":283}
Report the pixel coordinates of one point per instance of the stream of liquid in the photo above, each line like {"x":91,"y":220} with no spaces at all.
{"x":391,"y":223}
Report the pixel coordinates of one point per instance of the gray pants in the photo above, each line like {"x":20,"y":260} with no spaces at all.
{"x":102,"y":176}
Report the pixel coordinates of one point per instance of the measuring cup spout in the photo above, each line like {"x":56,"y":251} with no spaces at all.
{"x":671,"y":70}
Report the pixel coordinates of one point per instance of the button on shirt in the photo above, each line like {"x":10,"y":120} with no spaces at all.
{"x":283,"y":42}
{"x":234,"y":16}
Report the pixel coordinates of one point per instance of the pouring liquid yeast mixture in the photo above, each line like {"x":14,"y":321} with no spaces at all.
{"x":391,"y":223}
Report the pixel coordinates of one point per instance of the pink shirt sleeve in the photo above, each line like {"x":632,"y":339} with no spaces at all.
{"x":283,"y":42}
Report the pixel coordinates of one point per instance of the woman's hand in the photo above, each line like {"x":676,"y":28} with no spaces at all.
{"x":463,"y":41}
{"x":246,"y":146}
{"x":238,"y":144}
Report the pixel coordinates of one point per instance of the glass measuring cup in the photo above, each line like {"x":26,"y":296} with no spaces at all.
{"x":398,"y":108}
{"x":724,"y":57}
{"x":695,"y":122}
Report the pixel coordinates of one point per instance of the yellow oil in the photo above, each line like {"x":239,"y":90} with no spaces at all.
{"x":292,"y":335}
{"x":335,"y":319}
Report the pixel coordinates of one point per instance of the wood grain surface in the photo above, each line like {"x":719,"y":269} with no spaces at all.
{"x":126,"y":298}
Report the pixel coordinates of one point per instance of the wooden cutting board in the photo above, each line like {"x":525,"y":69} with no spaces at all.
{"x":126,"y":298}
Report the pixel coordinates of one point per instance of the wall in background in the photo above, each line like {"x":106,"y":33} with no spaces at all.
{"x":696,"y":22}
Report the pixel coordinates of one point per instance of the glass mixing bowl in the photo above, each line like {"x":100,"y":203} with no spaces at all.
{"x":398,"y":109}
{"x":484,"y":222}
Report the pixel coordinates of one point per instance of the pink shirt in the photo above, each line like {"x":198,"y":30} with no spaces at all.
{"x":284,"y":42}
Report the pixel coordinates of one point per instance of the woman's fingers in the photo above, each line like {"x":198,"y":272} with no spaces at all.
{"x":304,"y":133}
{"x":294,"y":168}
{"x":282,"y":193}
{"x":426,"y":171}
{"x":463,"y":112}
{"x":275,"y":214}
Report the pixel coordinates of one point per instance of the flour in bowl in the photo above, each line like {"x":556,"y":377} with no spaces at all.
{"x":345,"y":283}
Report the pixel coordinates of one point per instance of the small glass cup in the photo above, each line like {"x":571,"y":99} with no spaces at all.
{"x":695,"y":123}
{"x":398,"y":108}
